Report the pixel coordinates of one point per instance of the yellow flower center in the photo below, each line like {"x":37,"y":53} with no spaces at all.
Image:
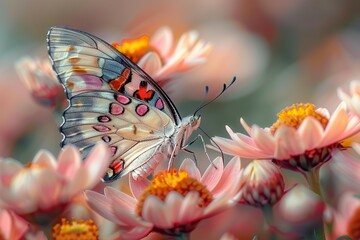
{"x":294,"y":115}
{"x":353,"y":227}
{"x":134,"y":49}
{"x":82,"y":230}
{"x":172,"y":180}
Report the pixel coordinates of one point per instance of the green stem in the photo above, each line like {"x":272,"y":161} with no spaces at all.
{"x":313,"y":179}
{"x":180,"y":236}
{"x":269,"y":219}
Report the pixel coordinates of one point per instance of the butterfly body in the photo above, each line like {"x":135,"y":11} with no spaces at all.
{"x":112,"y":100}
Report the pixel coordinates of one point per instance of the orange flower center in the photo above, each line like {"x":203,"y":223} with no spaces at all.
{"x":294,"y":115}
{"x":174,"y":180}
{"x":353,"y":226}
{"x":134,"y":49}
{"x":82,"y":230}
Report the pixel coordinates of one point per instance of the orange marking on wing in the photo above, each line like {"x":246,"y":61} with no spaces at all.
{"x":71,"y":48}
{"x":78,"y":69}
{"x":117,"y":83}
{"x":143,"y":94}
{"x":70,"y":84}
{"x":73,"y":60}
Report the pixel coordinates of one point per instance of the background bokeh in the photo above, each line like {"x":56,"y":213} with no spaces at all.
{"x":281,"y":51}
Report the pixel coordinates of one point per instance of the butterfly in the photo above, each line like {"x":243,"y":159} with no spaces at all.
{"x":113,"y":100}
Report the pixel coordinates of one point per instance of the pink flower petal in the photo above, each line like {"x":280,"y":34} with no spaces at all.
{"x":173,"y":203}
{"x":120,"y":199}
{"x":76,"y":185}
{"x":135,"y":233}
{"x":45,"y":158}
{"x":217,"y":205}
{"x":311,"y":132}
{"x":246,"y":126}
{"x":69,"y":162}
{"x":138,"y":186}
{"x":151,"y":64}
{"x":101,"y":205}
{"x":213,"y":174}
{"x":8,"y":169}
{"x":162,"y":40}
{"x":264,"y":140}
{"x":50,"y":189}
{"x":96,"y":163}
{"x":190,"y":210}
{"x":154,"y":211}
{"x":336,"y":125}
{"x":12,"y":226}
{"x":288,"y":143}
{"x":129,"y":218}
{"x":231,"y":171}
{"x":189,"y":166}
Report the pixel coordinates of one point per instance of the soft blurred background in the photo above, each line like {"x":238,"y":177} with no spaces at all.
{"x":281,"y":51}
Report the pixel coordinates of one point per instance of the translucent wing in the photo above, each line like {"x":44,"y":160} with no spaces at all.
{"x":111,"y":100}
{"x":85,"y":63}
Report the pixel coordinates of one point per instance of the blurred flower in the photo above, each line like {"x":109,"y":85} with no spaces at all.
{"x":173,"y":202}
{"x":43,"y":188}
{"x":347,"y":219}
{"x":11,"y":226}
{"x":302,"y":138}
{"x":263,"y":184}
{"x":82,"y":230}
{"x":41,"y":81}
{"x":352,"y":101}
{"x":299,"y":211}
{"x":160,"y":57}
{"x":342,"y":174}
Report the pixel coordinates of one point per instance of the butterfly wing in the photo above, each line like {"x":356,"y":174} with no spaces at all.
{"x":84,"y":62}
{"x":111,"y":100}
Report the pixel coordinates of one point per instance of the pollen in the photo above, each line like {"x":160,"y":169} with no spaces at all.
{"x":294,"y":115}
{"x":353,"y":226}
{"x":173,"y":180}
{"x":82,"y":230}
{"x":134,"y":49}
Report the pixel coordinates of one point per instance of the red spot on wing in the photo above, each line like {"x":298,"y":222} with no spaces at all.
{"x":117,"y":165}
{"x":142,"y":93}
{"x":117,"y":83}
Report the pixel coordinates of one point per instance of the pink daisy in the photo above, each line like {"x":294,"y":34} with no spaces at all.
{"x":302,"y":138}
{"x":160,"y":56}
{"x":173,"y":202}
{"x":45,"y":185}
{"x":41,"y":81}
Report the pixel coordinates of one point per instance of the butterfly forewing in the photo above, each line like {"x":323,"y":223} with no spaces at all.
{"x":111,"y":100}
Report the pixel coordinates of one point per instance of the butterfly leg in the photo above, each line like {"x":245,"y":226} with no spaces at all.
{"x":184,"y":148}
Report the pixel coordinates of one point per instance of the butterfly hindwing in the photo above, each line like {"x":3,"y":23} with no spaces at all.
{"x":111,"y":100}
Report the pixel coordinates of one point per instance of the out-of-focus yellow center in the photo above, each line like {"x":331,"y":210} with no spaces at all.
{"x":134,"y":49}
{"x":173,"y":180}
{"x":82,"y":230}
{"x":294,"y":115}
{"x":353,"y":227}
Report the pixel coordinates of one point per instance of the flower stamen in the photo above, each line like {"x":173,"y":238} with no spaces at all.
{"x":294,"y":115}
{"x":134,"y":49}
{"x":82,"y":230}
{"x":173,"y":180}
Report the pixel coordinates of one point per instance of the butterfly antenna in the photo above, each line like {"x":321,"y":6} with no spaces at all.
{"x":221,"y":151}
{"x":225,"y":87}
